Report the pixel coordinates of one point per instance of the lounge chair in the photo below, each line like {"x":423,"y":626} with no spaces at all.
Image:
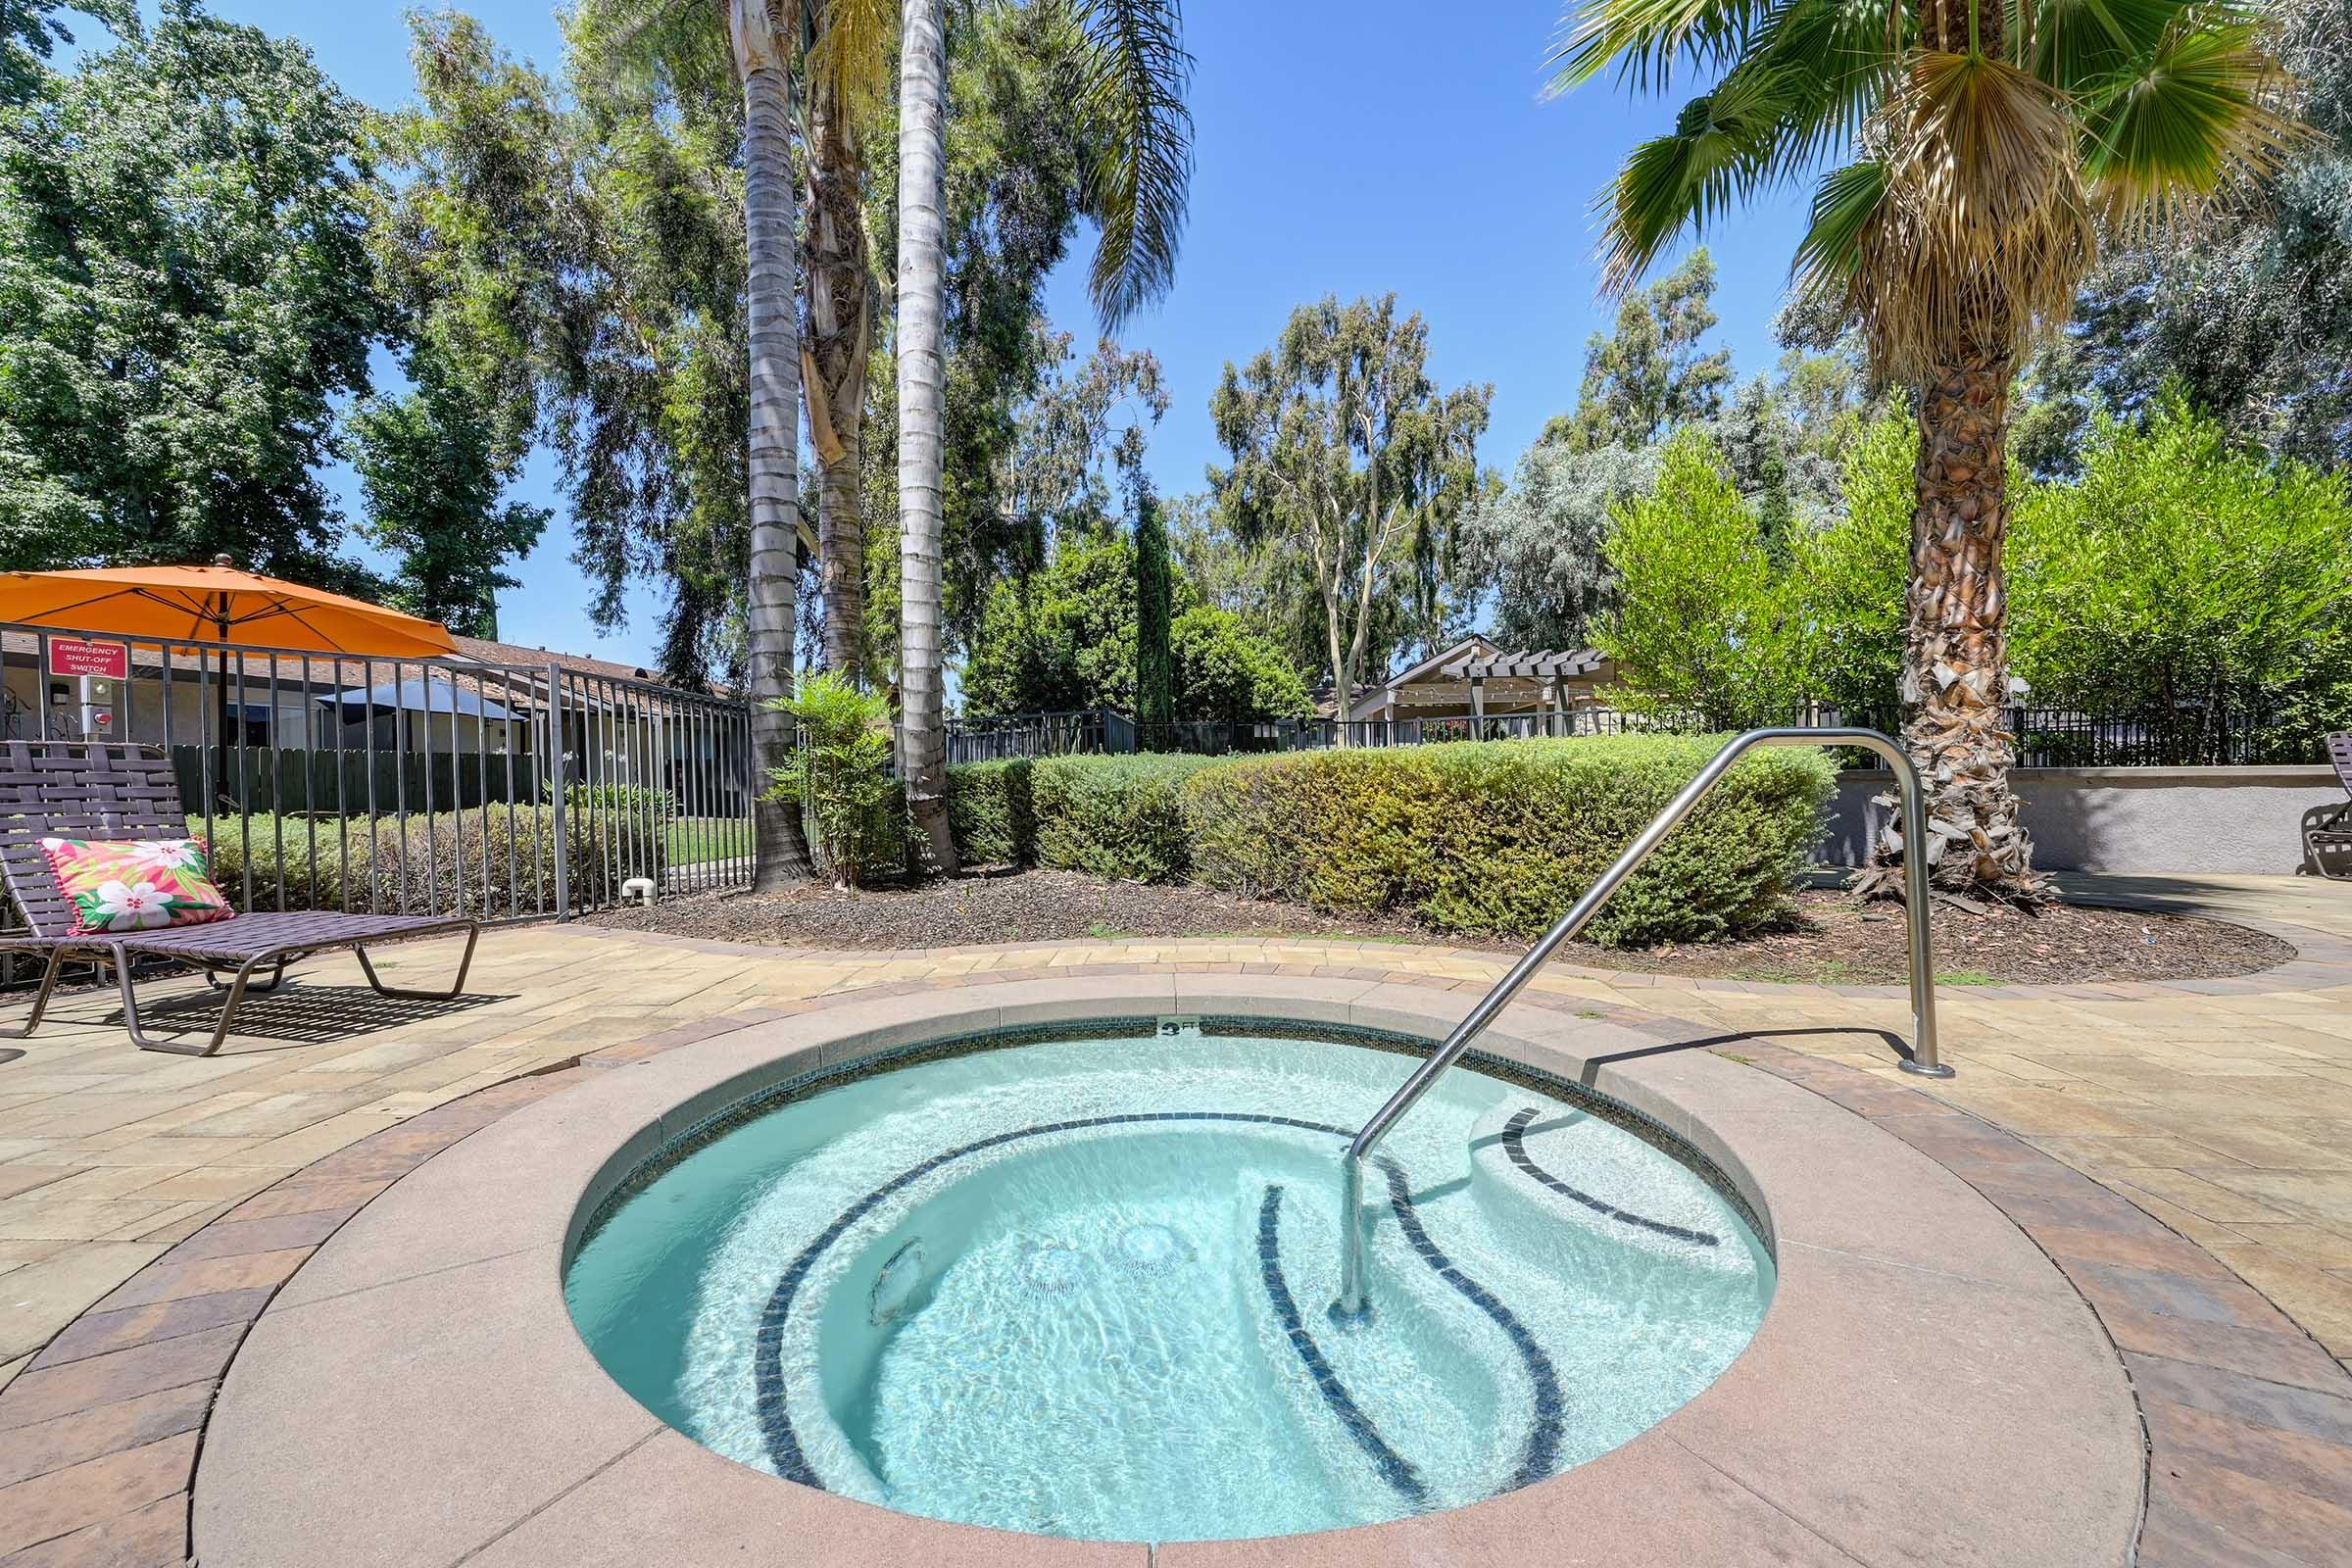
{"x":2333,"y":833}
{"x":94,"y":790}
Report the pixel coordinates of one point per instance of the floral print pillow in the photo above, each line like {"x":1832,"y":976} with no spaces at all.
{"x":135,"y":886}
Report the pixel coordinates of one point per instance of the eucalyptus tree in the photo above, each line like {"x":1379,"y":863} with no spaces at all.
{"x":762,"y":40}
{"x":1349,"y":457}
{"x":1990,"y":139}
{"x":1649,"y":375}
{"x":1127,"y":86}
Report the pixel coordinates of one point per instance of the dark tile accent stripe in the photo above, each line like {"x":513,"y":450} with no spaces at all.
{"x":768,"y":1350}
{"x":1542,"y":1454}
{"x":1394,"y":1467}
{"x":1514,"y":1143}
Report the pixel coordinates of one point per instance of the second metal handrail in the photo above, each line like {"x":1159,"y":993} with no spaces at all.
{"x":1353,"y":1307}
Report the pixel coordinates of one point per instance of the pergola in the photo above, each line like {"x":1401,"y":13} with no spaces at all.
{"x":1473,"y":678}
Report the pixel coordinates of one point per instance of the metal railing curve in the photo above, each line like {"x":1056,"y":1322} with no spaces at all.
{"x":1352,"y":1305}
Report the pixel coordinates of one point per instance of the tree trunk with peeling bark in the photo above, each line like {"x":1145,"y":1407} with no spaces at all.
{"x":1956,"y":641}
{"x":839,"y":341}
{"x":923,"y":401}
{"x":760,"y":38}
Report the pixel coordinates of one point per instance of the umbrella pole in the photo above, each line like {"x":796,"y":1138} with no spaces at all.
{"x":221,"y":628}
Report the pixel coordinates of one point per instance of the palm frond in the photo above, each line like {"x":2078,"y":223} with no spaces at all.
{"x":2201,"y":115}
{"x":1845,"y":204}
{"x":633,"y":40}
{"x":1648,"y":38}
{"x":1846,"y":55}
{"x":1132,"y":101}
{"x":2072,"y":41}
{"x":851,"y":59}
{"x":1724,"y":144}
{"x":1983,"y":229}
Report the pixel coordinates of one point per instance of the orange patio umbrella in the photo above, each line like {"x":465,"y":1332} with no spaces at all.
{"x":216,"y":604}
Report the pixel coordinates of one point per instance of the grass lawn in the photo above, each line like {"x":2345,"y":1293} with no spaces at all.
{"x":697,"y":839}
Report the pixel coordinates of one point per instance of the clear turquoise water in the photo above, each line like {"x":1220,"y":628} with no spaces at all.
{"x":1078,"y":1287}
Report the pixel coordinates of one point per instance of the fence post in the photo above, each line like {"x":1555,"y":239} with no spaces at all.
{"x":562,"y":804}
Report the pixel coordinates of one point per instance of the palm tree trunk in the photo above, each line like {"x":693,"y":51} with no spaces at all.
{"x":760,"y":38}
{"x":840,"y":329}
{"x":922,"y":132}
{"x":1956,"y":640}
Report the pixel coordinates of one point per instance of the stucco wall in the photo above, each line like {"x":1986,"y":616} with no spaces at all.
{"x":2134,"y":819}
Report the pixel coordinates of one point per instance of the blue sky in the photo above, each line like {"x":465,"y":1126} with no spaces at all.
{"x":1340,"y":148}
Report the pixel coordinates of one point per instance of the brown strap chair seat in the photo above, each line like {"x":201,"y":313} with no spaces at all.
{"x":109,"y":791}
{"x":2334,"y":832}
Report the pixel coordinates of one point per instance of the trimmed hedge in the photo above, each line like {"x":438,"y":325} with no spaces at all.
{"x":1499,"y":838}
{"x":1111,"y":817}
{"x":1115,"y":816}
{"x":441,"y":868}
{"x":990,"y":813}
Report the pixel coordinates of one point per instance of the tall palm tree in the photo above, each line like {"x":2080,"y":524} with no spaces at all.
{"x":848,"y":77}
{"x":1990,"y":142}
{"x":1128,"y":90}
{"x":761,"y":39}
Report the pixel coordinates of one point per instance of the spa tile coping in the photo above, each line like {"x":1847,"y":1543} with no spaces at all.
{"x":2247,"y":1422}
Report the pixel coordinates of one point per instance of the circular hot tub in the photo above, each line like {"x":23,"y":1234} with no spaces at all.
{"x":1076,"y":1280}
{"x":1077,"y":1284}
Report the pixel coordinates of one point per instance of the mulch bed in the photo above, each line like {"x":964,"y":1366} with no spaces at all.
{"x":1831,"y":939}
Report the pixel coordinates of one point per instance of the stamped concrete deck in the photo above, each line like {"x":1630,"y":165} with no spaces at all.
{"x":2221,"y":1110}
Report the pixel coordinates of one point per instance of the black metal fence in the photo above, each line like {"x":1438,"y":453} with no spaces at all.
{"x":2046,"y":737}
{"x":432,"y":786}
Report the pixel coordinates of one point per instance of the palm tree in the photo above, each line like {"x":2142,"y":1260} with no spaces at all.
{"x":849,"y":75}
{"x":1990,"y":142}
{"x":1129,"y":91}
{"x":761,"y":39}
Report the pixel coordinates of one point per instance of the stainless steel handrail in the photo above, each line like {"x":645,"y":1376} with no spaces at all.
{"x":1352,"y":1305}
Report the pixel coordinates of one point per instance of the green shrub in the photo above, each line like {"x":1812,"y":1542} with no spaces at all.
{"x":840,"y":778}
{"x":428,"y":863}
{"x":1499,"y":837}
{"x":1114,"y":816}
{"x":989,"y":812}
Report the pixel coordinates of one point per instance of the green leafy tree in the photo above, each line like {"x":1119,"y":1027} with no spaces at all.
{"x":1648,"y":376}
{"x":2182,"y":573}
{"x":1066,"y":637}
{"x":471,"y":251}
{"x":1539,"y":542}
{"x":1226,"y":673}
{"x":1354,"y":465}
{"x":1988,"y":140}
{"x":30,"y":32}
{"x":1851,"y":574}
{"x":426,"y":467}
{"x":1704,"y":628}
{"x":186,"y":294}
{"x":1062,"y":638}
